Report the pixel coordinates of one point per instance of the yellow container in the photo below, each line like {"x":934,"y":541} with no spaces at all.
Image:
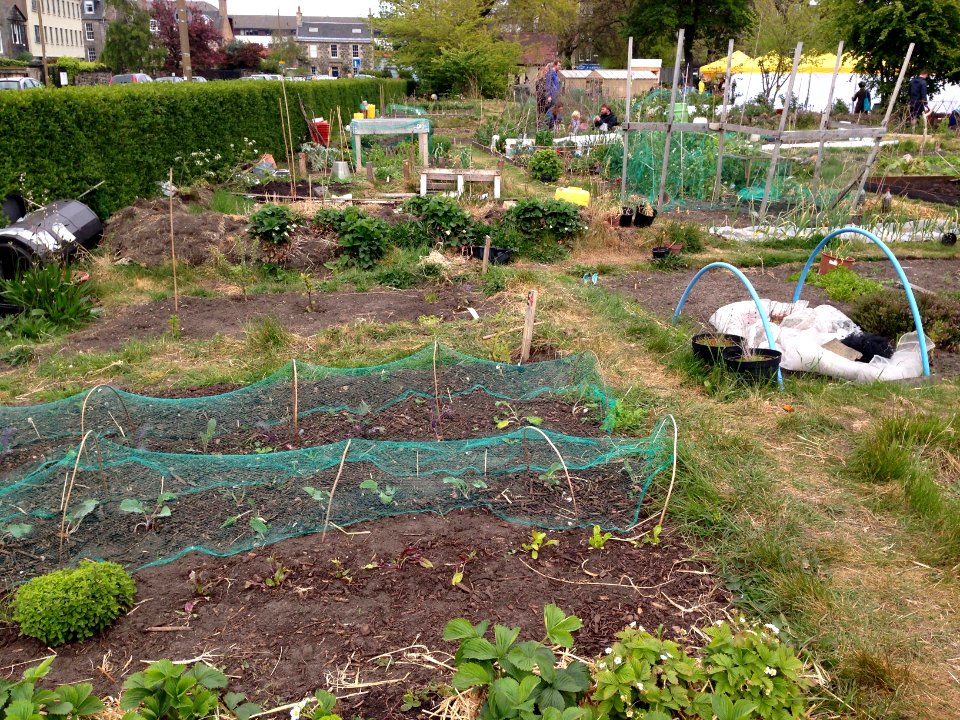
{"x":358,"y":116}
{"x":371,"y":110}
{"x":575,"y":195}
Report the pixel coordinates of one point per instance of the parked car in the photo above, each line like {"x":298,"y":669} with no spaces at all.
{"x":261,"y":76}
{"x":130,"y":78}
{"x":168,"y":79}
{"x":18,"y":83}
{"x":198,"y":78}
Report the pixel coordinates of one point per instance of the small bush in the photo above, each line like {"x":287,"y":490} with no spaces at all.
{"x":327,"y":219}
{"x":50,"y":299}
{"x":546,"y":166}
{"x":543,"y":138}
{"x":494,"y":281}
{"x":272,"y":224}
{"x":443,"y":218}
{"x":68,"y":605}
{"x":542,"y":230}
{"x":395,"y":277}
{"x":844,"y":285}
{"x":687,"y":234}
{"x":363,"y":239}
{"x":887,"y":313}
{"x":440,"y":146}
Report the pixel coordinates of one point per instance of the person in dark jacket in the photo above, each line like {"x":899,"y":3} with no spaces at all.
{"x":861,"y":100}
{"x":606,"y":120}
{"x":918,"y":95}
{"x":552,"y":85}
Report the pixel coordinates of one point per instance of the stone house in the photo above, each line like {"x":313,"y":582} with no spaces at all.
{"x":13,"y":28}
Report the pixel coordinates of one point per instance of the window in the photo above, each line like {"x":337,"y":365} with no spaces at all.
{"x":91,"y":55}
{"x":356,"y":51}
{"x":154,"y":26}
{"x":88,"y":7}
{"x":334,"y":51}
{"x":36,"y":33}
{"x":33,"y":5}
{"x":356,"y":31}
{"x":313,"y":51}
{"x":335,"y":71}
{"x":1,"y":42}
{"x":18,"y":33}
{"x":89,"y":28}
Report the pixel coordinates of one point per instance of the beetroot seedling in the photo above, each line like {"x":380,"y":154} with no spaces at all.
{"x":150,"y":515}
{"x":538,"y":541}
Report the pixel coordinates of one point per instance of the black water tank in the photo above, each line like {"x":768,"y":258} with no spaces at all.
{"x":53,"y":232}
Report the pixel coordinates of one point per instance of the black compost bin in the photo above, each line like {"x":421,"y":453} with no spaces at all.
{"x":55,"y":231}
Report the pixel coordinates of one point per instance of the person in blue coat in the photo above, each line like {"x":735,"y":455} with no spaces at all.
{"x":553,"y":84}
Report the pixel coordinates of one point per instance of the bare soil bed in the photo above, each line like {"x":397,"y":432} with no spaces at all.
{"x":202,"y":318}
{"x":932,"y":188}
{"x":361,"y":607}
{"x":659,"y":292}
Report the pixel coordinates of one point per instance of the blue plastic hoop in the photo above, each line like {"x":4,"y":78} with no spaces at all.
{"x":753,"y":295}
{"x":896,"y":266}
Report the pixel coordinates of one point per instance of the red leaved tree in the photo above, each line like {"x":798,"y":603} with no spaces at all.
{"x":204,"y":35}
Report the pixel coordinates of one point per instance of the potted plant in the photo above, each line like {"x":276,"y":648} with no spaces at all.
{"x":836,"y":257}
{"x":626,"y":216}
{"x":709,"y":346}
{"x":759,"y":363}
{"x":645,"y":213}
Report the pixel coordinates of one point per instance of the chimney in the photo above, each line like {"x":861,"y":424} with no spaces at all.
{"x":299,"y":19}
{"x":225,"y":28}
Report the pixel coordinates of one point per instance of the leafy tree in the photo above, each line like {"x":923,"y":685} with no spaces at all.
{"x":878,"y":33}
{"x":203,"y":35}
{"x":597,"y":32}
{"x":452,"y":45}
{"x":239,"y":55}
{"x":654,"y":24}
{"x":286,"y":50}
{"x":129,"y":45}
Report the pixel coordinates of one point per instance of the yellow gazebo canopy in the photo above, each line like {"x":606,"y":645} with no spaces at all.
{"x":719,"y":67}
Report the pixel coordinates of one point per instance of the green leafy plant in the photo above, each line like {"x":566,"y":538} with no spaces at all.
{"x":597,"y":539}
{"x":363,"y":239}
{"x":442,"y":218}
{"x":23,"y":700}
{"x":150,"y":514}
{"x":543,"y":230}
{"x":386,"y":493}
{"x":463,"y":487}
{"x":321,"y":496}
{"x":272,"y":224}
{"x":15,"y":531}
{"x":68,"y":605}
{"x":51,"y":299}
{"x":843,"y":284}
{"x":207,"y":435}
{"x":279,"y":574}
{"x":521,"y":679}
{"x":546,"y":166}
{"x":168,"y":691}
{"x":887,"y":313}
{"x":259,"y":526}
{"x":512,"y":417}
{"x":538,"y":541}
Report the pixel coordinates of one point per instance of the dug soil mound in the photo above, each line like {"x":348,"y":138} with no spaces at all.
{"x":141,"y":232}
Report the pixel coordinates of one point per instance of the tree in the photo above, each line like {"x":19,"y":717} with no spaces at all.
{"x":452,"y":45}
{"x":284,"y":50}
{"x":129,"y":45}
{"x":204,"y":36}
{"x":878,"y":33}
{"x":239,"y":55}
{"x":654,"y":24}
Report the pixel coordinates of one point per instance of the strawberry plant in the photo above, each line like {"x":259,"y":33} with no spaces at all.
{"x":363,"y":239}
{"x":272,"y":224}
{"x":443,"y":218}
{"x":23,"y":700}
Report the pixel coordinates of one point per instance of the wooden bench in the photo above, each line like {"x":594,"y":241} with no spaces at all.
{"x":442,"y":178}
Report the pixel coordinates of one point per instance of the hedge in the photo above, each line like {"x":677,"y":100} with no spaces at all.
{"x":57,"y":143}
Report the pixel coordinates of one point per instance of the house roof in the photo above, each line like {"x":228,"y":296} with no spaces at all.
{"x":622,"y":74}
{"x":334,"y":30}
{"x":267,"y":22}
{"x":536,"y":48}
{"x":575,"y":74}
{"x":646,"y":63}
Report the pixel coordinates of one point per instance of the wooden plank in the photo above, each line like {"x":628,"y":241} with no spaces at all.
{"x":528,"y":322}
{"x":723,"y":121}
{"x":772,"y":170}
{"x":824,"y":122}
{"x":486,"y":254}
{"x":625,"y":134}
{"x":670,"y":115}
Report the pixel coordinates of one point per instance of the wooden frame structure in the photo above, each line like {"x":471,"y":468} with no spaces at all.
{"x":778,"y":136}
{"x":388,"y":126}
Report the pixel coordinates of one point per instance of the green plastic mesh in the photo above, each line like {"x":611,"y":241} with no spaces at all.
{"x":117,"y":502}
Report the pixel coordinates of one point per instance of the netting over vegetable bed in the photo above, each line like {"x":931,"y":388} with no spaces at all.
{"x":109,"y":498}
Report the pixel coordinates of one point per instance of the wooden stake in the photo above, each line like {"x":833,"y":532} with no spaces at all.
{"x":296,"y":403}
{"x":824,"y":121}
{"x":406,"y":170}
{"x":723,"y":122}
{"x":302,"y":164}
{"x":286,"y":148}
{"x":624,"y":133}
{"x":670,"y":116}
{"x":370,"y":174}
{"x":772,"y":170}
{"x":528,"y":326}
{"x":486,"y":255}
{"x":173,"y":251}
{"x":293,"y":150}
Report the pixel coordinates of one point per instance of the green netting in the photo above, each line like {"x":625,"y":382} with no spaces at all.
{"x":396,"y":109}
{"x":110,"y":411}
{"x":103,"y":497}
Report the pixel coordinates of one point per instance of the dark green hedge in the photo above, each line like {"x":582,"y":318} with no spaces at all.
{"x":59,"y":142}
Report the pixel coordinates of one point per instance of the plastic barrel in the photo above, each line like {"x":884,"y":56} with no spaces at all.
{"x":320,"y":132}
{"x":55,"y":231}
{"x":575,"y":195}
{"x":371,"y":111}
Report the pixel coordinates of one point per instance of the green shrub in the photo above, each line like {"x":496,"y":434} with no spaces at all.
{"x":23,"y":700}
{"x":408,"y":235}
{"x":327,"y":219}
{"x":443,"y":218}
{"x":440,"y":146}
{"x":363,"y":239}
{"x":68,"y":605}
{"x":887,"y":313}
{"x":50,"y":299}
{"x":542,"y":230}
{"x":843,"y":284}
{"x":687,"y":234}
{"x":494,"y":281}
{"x":272,"y":224}
{"x":395,"y":277}
{"x":130,"y":136}
{"x":546,"y":166}
{"x":543,"y":138}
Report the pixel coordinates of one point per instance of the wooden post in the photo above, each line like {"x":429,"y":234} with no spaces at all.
{"x":861,"y":180}
{"x":293,"y":150}
{"x":286,"y":148}
{"x":424,"y":150}
{"x":824,"y":121}
{"x":625,"y":133}
{"x":303,"y":164}
{"x":173,"y":250}
{"x":772,"y":170}
{"x":406,"y":170}
{"x":723,"y":122}
{"x":670,"y":113}
{"x":528,"y":326}
{"x":370,"y":174}
{"x":296,"y":403}
{"x":486,"y":255}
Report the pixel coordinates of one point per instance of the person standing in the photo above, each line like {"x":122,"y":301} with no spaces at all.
{"x":553,"y":84}
{"x":861,"y":100}
{"x":918,"y":95}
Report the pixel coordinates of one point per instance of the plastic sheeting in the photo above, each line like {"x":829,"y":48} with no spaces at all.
{"x":910,"y":231}
{"x":801,"y":331}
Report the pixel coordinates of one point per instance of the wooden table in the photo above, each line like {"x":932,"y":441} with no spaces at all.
{"x":461,"y":177}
